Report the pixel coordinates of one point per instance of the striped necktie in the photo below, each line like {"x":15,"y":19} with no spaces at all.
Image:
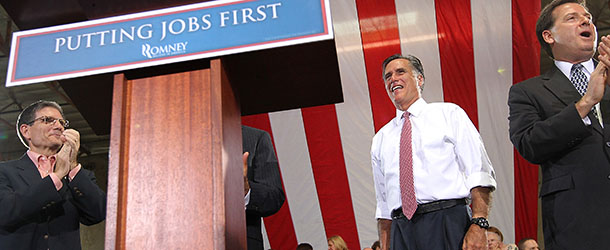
{"x":407,"y":188}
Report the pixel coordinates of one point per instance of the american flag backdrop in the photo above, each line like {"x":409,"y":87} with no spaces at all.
{"x":472,"y":52}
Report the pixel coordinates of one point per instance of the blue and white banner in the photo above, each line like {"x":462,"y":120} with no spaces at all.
{"x":164,"y":36}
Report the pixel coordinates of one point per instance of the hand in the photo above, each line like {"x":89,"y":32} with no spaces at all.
{"x":246,"y":184}
{"x":62,"y":164}
{"x":475,"y":238}
{"x":73,"y":140}
{"x":596,"y":86}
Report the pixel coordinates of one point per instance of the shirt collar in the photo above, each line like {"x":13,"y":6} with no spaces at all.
{"x":34,"y":156}
{"x":415,"y":109}
{"x":566,"y":67}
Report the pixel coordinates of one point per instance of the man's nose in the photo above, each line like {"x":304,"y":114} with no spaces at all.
{"x":57,"y":125}
{"x":585,"y":20}
{"x":393,"y":77}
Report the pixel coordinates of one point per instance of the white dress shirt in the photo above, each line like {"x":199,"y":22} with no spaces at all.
{"x":449,"y":158}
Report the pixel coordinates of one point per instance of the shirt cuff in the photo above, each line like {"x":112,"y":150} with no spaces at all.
{"x":56,"y":181}
{"x":247,"y":198}
{"x":481,"y":179}
{"x":382,"y":212}
{"x":587,"y":121}
{"x":73,"y":172}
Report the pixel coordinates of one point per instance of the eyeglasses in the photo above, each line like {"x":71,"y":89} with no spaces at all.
{"x":50,"y":120}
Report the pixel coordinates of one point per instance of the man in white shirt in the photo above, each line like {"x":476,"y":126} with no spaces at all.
{"x":428,"y":168}
{"x":560,"y":120}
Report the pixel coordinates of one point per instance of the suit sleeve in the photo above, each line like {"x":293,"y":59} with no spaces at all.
{"x":17,"y":207}
{"x":266,"y":192}
{"x":88,"y":197}
{"x":538,"y":138}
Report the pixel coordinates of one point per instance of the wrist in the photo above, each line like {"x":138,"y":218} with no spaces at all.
{"x":480,"y":222}
{"x":584,"y":106}
{"x":586,"y":102}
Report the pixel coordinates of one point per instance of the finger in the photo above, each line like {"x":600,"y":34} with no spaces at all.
{"x":604,"y":61}
{"x":64,"y":151}
{"x":73,"y":141}
{"x":74,"y":136}
{"x":245,"y":161}
{"x":604,"y":46}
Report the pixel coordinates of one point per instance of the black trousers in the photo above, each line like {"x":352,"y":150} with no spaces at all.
{"x":439,"y":230}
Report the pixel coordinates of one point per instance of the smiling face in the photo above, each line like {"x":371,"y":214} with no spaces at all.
{"x":44,"y":138}
{"x":401,"y":84}
{"x":573,"y":36}
{"x":493,"y":241}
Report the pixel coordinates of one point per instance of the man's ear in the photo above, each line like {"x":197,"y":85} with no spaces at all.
{"x":420,"y":80}
{"x":25,"y":132}
{"x":547,"y":35}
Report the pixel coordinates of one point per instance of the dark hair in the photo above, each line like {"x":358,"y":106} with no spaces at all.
{"x":521,"y":243}
{"x":546,"y":20}
{"x":304,"y":246}
{"x":496,"y":231}
{"x":28,"y":115}
{"x":375,"y":245}
{"x":414,"y":61}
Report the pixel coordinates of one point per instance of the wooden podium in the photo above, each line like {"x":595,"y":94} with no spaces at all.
{"x":171,"y":180}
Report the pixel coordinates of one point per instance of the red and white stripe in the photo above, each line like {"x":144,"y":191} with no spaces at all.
{"x":472,"y":52}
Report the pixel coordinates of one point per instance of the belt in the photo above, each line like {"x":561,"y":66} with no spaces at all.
{"x":430,"y":207}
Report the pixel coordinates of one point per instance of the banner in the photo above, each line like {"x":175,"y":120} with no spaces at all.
{"x":164,"y":36}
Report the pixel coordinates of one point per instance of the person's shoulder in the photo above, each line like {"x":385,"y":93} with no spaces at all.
{"x":10,"y":164}
{"x":250,"y":130}
{"x":388,"y":126}
{"x":532,"y":81}
{"x":442,"y":107}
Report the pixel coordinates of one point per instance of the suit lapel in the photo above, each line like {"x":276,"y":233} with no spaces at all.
{"x":562,"y":88}
{"x":27,"y":170}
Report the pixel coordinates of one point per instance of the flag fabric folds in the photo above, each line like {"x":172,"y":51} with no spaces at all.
{"x":472,"y":52}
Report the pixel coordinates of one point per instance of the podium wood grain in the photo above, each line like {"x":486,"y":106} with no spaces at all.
{"x":175,"y":173}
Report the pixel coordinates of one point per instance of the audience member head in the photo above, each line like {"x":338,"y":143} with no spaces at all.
{"x":376,"y":245}
{"x":336,"y":243}
{"x":304,"y":246}
{"x":528,"y":244}
{"x":494,"y":238}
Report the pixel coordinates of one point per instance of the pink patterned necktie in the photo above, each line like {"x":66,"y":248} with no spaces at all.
{"x":407,"y":189}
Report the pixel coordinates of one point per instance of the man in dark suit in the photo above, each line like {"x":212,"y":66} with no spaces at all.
{"x":561,"y":120}
{"x":263,"y":190}
{"x":46,"y":193}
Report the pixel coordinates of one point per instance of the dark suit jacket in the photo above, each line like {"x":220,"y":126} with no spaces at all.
{"x":266,"y":192}
{"x":546,"y":129}
{"x":34,"y":215}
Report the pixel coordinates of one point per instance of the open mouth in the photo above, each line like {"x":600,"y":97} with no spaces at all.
{"x":396,"y":87}
{"x":586,"y":34}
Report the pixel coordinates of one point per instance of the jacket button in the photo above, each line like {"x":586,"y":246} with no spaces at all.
{"x":608,"y":176}
{"x":46,"y":237}
{"x":608,"y":144}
